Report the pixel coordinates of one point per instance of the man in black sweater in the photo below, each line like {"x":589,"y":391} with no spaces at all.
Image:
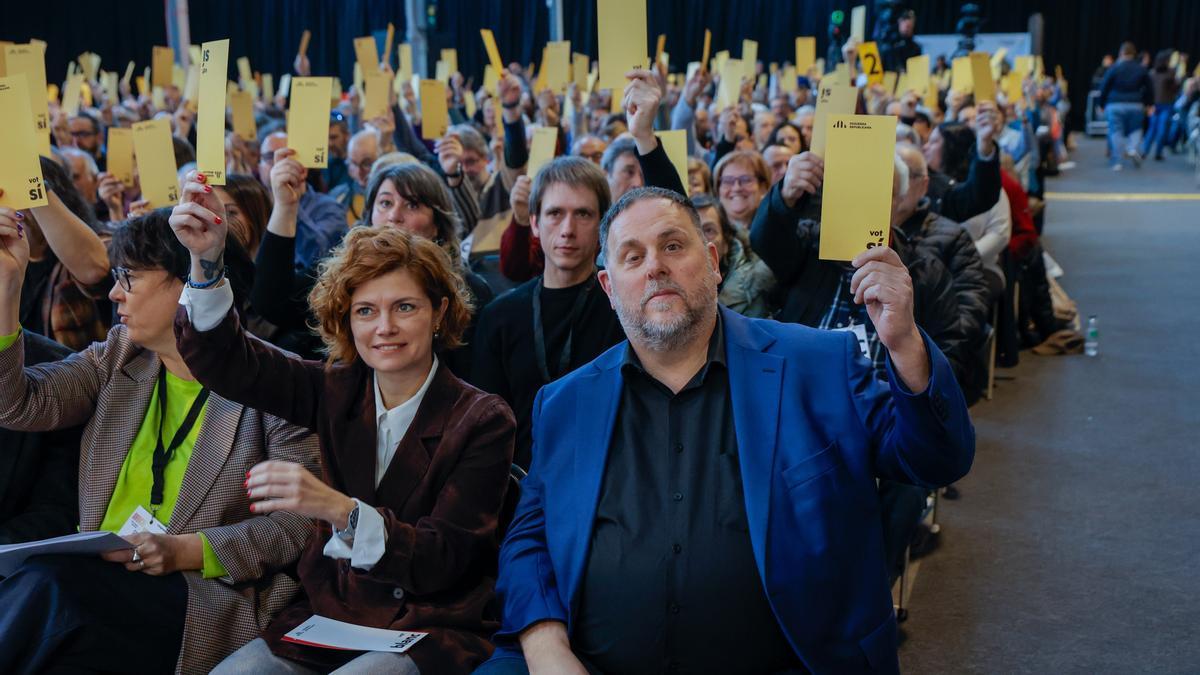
{"x":1125,"y":95}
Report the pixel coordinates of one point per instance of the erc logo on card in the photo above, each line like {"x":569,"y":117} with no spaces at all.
{"x":842,"y":124}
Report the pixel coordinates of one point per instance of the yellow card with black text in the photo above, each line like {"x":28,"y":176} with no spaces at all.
{"x":493,"y":52}
{"x":162,"y":70}
{"x":156,"y":162}
{"x":30,"y":60}
{"x":832,"y":99}
{"x":872,"y":65}
{"x":917,"y":68}
{"x":21,"y":170}
{"x":450,"y":56}
{"x":308,"y":120}
{"x":210,"y":117}
{"x":366,"y":53}
{"x":856,"y":199}
{"x":621,"y":28}
{"x":960,"y":75}
{"x":120,"y":154}
{"x":378,"y":86}
{"x":556,"y":66}
{"x":806,"y":54}
{"x":435,"y":117}
{"x":71,"y":94}
{"x":241,"y":103}
{"x":981,"y":77}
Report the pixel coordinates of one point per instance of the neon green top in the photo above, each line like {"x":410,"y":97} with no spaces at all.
{"x":137,"y":477}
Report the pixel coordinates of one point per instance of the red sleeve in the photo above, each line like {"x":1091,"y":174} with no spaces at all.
{"x":1024,"y":235}
{"x":520,"y":253}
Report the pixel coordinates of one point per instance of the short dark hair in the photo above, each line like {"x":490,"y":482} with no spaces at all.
{"x":640,"y":195}
{"x":184,"y":152}
{"x":957,"y":141}
{"x":615,"y":149}
{"x":89,"y":117}
{"x":706,"y":201}
{"x":1128,"y":49}
{"x":575,"y":171}
{"x":418,"y":183}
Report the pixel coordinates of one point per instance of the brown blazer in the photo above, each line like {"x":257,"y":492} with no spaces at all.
{"x":107,"y":388}
{"x":439,"y":497}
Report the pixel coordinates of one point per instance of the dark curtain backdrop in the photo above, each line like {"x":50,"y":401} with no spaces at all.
{"x":1078,"y":32}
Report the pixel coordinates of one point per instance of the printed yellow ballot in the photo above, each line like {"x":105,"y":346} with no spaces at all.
{"x":162,"y":60}
{"x":308,"y":120}
{"x":749,"y":57}
{"x":960,"y":77}
{"x":30,"y":60}
{"x":156,"y":162}
{"x":730,"y":87}
{"x":872,"y":65}
{"x":806,"y":54}
{"x":388,"y":39}
{"x":493,"y":52}
{"x":832,"y":99}
{"x":210,"y":118}
{"x":858,"y":23}
{"x":450,"y":56}
{"x":21,"y":170}
{"x":556,"y":65}
{"x":404,"y":59}
{"x":304,"y":38}
{"x":120,"y":154}
{"x":541,"y":149}
{"x":917,"y":68}
{"x":856,"y":205}
{"x":191,"y":86}
{"x":242,"y":105}
{"x":621,"y":25}
{"x":378,"y":85}
{"x":366,"y":53}
{"x":435,"y":118}
{"x":675,"y":145}
{"x":981,"y":77}
{"x":707,"y":46}
{"x":71,"y":94}
{"x":1024,"y":65}
{"x":579,"y":70}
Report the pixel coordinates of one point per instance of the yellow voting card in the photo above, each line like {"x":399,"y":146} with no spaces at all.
{"x":242,"y":106}
{"x":787,"y":79}
{"x":493,"y":52}
{"x":366,"y":53}
{"x":285,"y":86}
{"x":191,"y":87}
{"x":981,"y":77}
{"x":120,"y":154}
{"x":856,"y":199}
{"x":858,"y":23}
{"x":541,"y":149}
{"x":730,"y":87}
{"x":832,"y":99}
{"x":1024,"y":65}
{"x":70,"y":97}
{"x":29,"y":60}
{"x":268,"y":87}
{"x":244,"y":73}
{"x":441,"y":72}
{"x":621,"y":27}
{"x":490,"y":79}
{"x":960,"y":78}
{"x":404,"y":62}
{"x":162,"y":62}
{"x":749,"y":56}
{"x":675,"y":145}
{"x":178,"y":76}
{"x":579,"y":71}
{"x":661,"y":44}
{"x":889,"y":81}
{"x":388,"y":40}
{"x":872,"y":65}
{"x":210,"y":117}
{"x":470,"y":106}
{"x":1011,"y":84}
{"x":707,"y":46}
{"x":308,"y":120}
{"x":917,"y":68}
{"x":556,"y":66}
{"x":806,"y":54}
{"x":156,"y":162}
{"x":158,"y":98}
{"x":378,"y":88}
{"x":435,"y":118}
{"x":21,"y":170}
{"x":450,"y":56}
{"x":304,"y":38}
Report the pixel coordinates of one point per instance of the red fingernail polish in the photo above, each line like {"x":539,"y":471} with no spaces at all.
{"x":252,"y":507}
{"x":217,"y":219}
{"x":208,"y":188}
{"x":200,"y":177}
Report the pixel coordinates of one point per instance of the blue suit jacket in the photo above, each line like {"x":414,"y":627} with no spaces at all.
{"x":814,"y":430}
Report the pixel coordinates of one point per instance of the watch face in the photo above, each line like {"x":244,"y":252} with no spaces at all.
{"x":354,"y":518}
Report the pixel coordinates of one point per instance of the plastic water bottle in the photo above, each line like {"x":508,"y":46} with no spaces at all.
{"x":1091,"y":345}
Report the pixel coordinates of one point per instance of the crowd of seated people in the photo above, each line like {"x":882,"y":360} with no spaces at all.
{"x":377,"y":348}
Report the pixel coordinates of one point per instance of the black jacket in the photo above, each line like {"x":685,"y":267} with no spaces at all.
{"x":960,"y":201}
{"x":38,"y":485}
{"x":1126,"y":82}
{"x":788,"y":239}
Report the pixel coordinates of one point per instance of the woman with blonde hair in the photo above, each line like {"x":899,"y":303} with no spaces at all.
{"x":415,"y":461}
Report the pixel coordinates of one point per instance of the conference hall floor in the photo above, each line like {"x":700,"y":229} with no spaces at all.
{"x":1075,"y":546}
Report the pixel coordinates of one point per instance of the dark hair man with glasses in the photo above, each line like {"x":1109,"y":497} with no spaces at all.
{"x":86,"y":133}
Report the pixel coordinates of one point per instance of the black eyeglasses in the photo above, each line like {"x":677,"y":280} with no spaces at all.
{"x":121,"y":276}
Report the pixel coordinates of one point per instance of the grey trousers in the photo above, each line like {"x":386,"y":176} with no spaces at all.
{"x":256,"y":658}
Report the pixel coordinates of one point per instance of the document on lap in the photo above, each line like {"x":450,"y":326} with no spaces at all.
{"x":319,"y":631}
{"x":81,"y":543}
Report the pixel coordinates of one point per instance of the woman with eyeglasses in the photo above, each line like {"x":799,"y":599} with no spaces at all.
{"x":188,"y":592}
{"x":742,"y":179}
{"x":409,"y":197}
{"x":416,"y":461}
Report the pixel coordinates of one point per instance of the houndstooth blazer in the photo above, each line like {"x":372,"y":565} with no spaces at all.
{"x":108,"y":387}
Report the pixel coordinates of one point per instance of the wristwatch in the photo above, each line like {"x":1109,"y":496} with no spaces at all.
{"x":347,"y":534}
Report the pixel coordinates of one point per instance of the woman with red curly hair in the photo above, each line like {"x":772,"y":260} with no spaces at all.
{"x":415,"y":461}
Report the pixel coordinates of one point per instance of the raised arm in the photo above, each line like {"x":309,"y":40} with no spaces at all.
{"x":642,"y":100}
{"x":75,"y":245}
{"x":774,"y":234}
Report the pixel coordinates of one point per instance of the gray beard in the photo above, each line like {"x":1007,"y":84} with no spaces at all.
{"x":676,"y":333}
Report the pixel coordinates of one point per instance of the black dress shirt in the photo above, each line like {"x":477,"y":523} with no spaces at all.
{"x":671,"y":582}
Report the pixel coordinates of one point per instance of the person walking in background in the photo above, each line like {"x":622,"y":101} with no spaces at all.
{"x":1125,"y":95}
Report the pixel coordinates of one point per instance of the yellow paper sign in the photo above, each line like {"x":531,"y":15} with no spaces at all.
{"x":125,"y":79}
{"x":856,"y":200}
{"x":707,"y":46}
{"x":388,"y":39}
{"x":158,"y":98}
{"x":21,"y":170}
{"x":579,"y":71}
{"x":268,"y":90}
{"x":377,"y":98}
{"x":889,"y":82}
{"x":162,"y":62}
{"x":872,"y":65}
{"x":659,"y":46}
{"x":787,"y":79}
{"x":441,"y":72}
{"x":242,"y":104}
{"x":981,"y":77}
{"x":621,"y":27}
{"x":304,"y":38}
{"x":917,"y":68}
{"x":556,"y":64}
{"x":85,"y":94}
{"x":749,"y":57}
{"x":730,"y":87}
{"x":675,"y":144}
{"x":404,"y":62}
{"x":1023,"y":66}
{"x":832,"y":99}
{"x":493,"y":52}
{"x":469,"y":104}
{"x":308,"y":120}
{"x":858,"y":23}
{"x":244,"y":73}
{"x":70,"y":100}
{"x":806,"y":54}
{"x":490,"y":79}
{"x":178,"y":76}
{"x":91,"y":65}
{"x":285,"y":86}
{"x":960,"y":77}
{"x":541,"y":149}
{"x":366,"y":53}
{"x":210,"y":117}
{"x":120,"y":154}
{"x":191,"y":87}
{"x":156,"y":162}
{"x":450,"y":56}
{"x":29,"y":60}
{"x":435,"y":118}
{"x":1013,"y":88}
{"x":52,"y":93}
{"x":931,"y":96}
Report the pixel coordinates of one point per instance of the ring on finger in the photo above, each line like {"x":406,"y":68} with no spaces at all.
{"x":136,"y":555}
